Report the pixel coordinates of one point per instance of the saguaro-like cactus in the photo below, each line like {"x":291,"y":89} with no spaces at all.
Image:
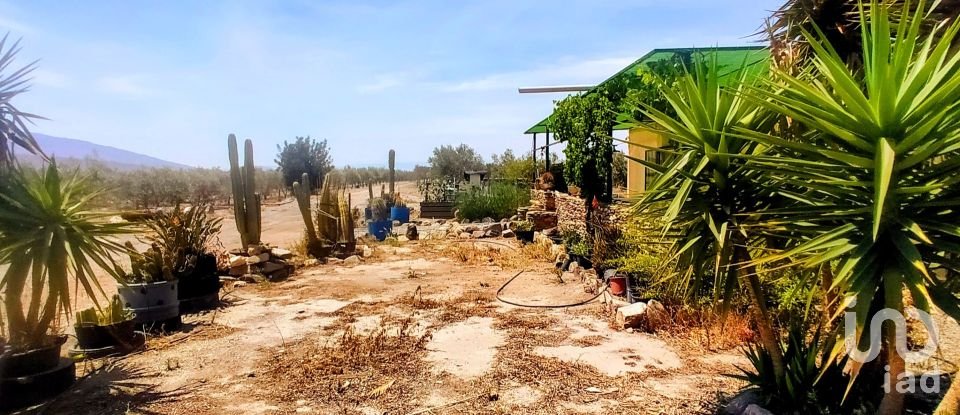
{"x":246,"y":201}
{"x":392,"y":162}
{"x":302,"y":193}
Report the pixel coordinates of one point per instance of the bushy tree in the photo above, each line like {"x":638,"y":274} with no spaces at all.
{"x":304,"y":155}
{"x":510,"y":167}
{"x":450,"y":161}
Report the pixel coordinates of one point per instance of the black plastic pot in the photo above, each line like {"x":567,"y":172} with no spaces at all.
{"x":24,"y":391}
{"x":34,"y":376}
{"x":119,"y":335}
{"x":581,"y":260}
{"x":524,"y":236}
{"x":32,"y":361}
{"x":199,"y":291}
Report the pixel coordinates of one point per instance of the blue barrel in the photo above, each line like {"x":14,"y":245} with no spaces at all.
{"x":401,"y":214}
{"x":379,"y":228}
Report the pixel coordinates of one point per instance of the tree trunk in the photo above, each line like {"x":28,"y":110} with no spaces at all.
{"x":892,"y":403}
{"x":829,"y":297}
{"x":950,"y":405}
{"x":768,"y":334}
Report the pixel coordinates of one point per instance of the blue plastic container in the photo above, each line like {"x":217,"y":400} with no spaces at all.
{"x":380,"y":228}
{"x":401,"y":214}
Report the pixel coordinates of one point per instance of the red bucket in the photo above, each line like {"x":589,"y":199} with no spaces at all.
{"x":618,"y":285}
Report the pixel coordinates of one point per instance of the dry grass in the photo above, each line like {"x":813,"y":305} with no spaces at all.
{"x":379,"y":370}
{"x":698,"y":328}
{"x":499,"y":253}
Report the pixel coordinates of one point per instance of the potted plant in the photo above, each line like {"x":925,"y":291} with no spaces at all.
{"x":400,"y":212}
{"x":187,"y":235}
{"x":523,"y":230}
{"x":106,"y":331}
{"x":380,"y":224}
{"x":49,"y":235}
{"x":579,"y":251}
{"x":150,"y":289}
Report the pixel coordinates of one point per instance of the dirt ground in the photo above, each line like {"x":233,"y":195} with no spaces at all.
{"x":416,"y":328}
{"x":256,"y":355}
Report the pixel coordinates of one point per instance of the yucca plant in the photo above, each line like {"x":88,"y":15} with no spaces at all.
{"x":13,"y":121}
{"x":808,"y":383}
{"x":49,"y":234}
{"x":705,"y":184}
{"x":877,"y":172}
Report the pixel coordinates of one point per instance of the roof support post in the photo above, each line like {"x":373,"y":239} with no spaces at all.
{"x":534,"y":154}
{"x":546,"y":149}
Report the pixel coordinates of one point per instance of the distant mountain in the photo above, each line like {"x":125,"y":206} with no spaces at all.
{"x":73,"y":150}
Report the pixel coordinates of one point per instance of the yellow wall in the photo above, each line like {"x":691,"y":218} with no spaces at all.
{"x":636,"y":173}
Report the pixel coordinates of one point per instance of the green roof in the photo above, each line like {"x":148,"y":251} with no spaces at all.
{"x":727,"y":57}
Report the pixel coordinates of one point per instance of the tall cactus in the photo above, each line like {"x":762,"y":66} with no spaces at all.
{"x":370,"y":189}
{"x":392,"y":163}
{"x":327,"y":211}
{"x":302,"y":193}
{"x":346,"y":219}
{"x":246,"y":202}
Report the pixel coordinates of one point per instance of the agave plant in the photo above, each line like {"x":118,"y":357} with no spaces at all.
{"x":705,"y":184}
{"x":878,"y":170}
{"x":48,"y":235}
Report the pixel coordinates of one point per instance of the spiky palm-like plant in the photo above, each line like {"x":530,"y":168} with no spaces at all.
{"x":839,"y":20}
{"x":13,"y":122}
{"x":49,"y":233}
{"x":878,"y":169}
{"x":705,"y":185}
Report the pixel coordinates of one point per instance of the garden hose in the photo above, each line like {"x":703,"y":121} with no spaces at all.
{"x":542,"y":305}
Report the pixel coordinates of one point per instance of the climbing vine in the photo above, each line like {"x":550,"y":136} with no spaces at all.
{"x":585,"y":123}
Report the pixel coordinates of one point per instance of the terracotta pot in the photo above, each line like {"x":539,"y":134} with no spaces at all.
{"x":618,"y":285}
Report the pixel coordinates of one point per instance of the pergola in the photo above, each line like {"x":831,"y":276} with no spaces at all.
{"x":728,"y":57}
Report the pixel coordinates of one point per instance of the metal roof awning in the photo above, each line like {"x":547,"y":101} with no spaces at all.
{"x":731,"y":56}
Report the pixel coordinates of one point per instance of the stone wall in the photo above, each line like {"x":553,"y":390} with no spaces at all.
{"x":571,"y":214}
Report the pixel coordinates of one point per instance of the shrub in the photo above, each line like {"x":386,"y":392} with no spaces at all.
{"x":499,"y":201}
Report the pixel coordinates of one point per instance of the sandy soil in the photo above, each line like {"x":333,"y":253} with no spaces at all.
{"x":531,"y":360}
{"x":479,"y":356}
{"x":258,"y":353}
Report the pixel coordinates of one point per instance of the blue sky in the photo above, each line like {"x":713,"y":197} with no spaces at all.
{"x":171,"y":79}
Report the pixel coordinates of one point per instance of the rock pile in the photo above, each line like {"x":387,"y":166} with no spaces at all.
{"x":260,"y":260}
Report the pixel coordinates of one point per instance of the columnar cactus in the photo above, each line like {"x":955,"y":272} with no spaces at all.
{"x":370,"y":189}
{"x":302,"y":193}
{"x":346,"y":218}
{"x":327,"y":212}
{"x":246,"y":202}
{"x":392,"y":163}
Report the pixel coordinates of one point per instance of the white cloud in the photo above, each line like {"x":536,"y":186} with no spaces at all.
{"x":380,"y":83}
{"x":567,"y":71}
{"x":45,"y":77}
{"x":131,"y":86}
{"x":15,"y":28}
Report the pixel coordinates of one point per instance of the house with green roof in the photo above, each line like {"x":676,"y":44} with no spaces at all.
{"x":730,"y":59}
